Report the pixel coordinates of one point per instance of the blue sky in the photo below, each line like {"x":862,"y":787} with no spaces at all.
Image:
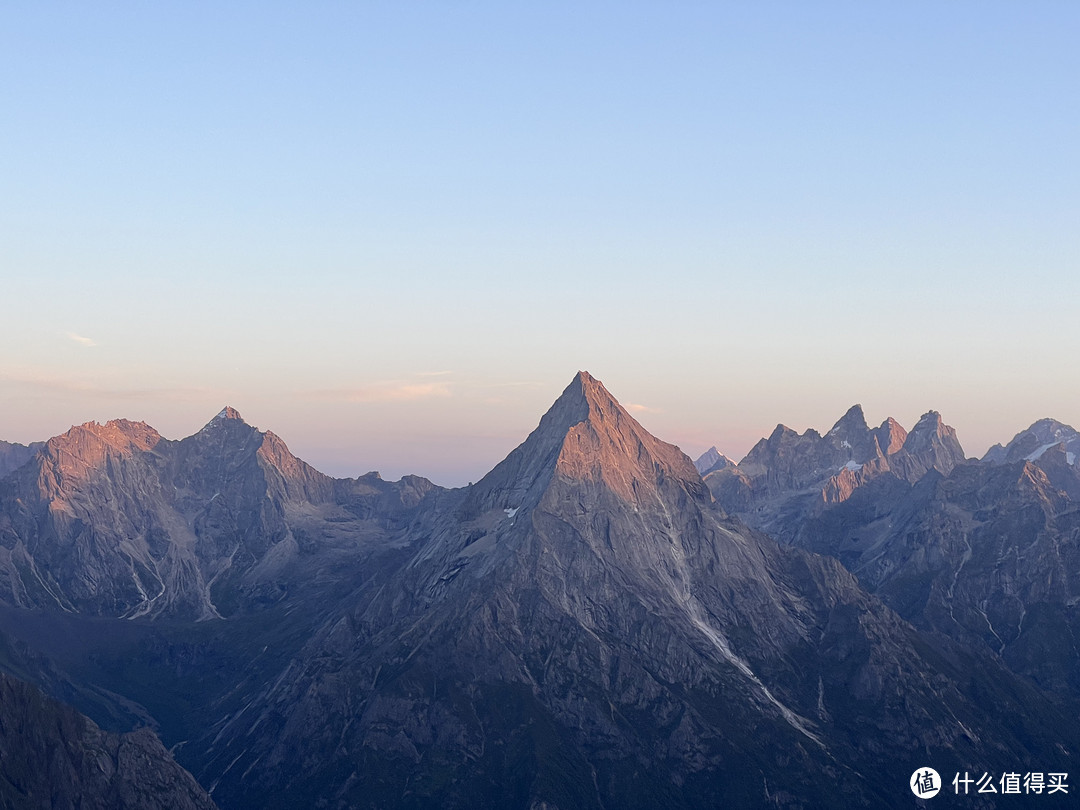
{"x":392,"y":233}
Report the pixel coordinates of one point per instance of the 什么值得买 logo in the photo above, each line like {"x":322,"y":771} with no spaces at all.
{"x":925,"y":783}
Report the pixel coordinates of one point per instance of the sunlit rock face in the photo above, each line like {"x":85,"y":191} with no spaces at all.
{"x":114,"y":520}
{"x":583,"y":627}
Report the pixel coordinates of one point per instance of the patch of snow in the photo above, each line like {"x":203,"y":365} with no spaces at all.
{"x":846,"y":444}
{"x":854,"y":466}
{"x":511,"y":512}
{"x":1070,"y":459}
{"x":1038,"y":453}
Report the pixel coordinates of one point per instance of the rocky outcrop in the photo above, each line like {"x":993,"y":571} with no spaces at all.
{"x":790,"y":475}
{"x":986,"y":555}
{"x":583,"y":628}
{"x":114,"y":520}
{"x":53,"y":757}
{"x":13,"y":456}
{"x":1033,"y":443}
{"x":712,"y":460}
{"x":982,"y":553}
{"x":890,"y":436}
{"x":931,"y":445}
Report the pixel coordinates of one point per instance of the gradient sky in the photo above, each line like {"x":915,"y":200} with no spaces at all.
{"x":392,"y":232}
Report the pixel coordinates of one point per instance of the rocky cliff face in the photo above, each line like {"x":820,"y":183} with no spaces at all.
{"x":1033,"y":443}
{"x":582,"y":628}
{"x":13,"y":456}
{"x":986,"y":555}
{"x":790,"y":475}
{"x":114,"y":520}
{"x":53,"y":757}
{"x":711,"y":460}
{"x":982,"y":553}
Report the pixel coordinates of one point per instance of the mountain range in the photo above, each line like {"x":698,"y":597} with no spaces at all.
{"x":592,"y":624}
{"x":983,"y":551}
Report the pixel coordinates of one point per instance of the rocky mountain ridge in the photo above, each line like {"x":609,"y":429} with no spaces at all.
{"x":13,"y":456}
{"x":983,"y":552}
{"x":795,"y":473}
{"x":583,"y":627}
{"x":115,"y":520}
{"x":51,"y":756}
{"x":1031,"y":444}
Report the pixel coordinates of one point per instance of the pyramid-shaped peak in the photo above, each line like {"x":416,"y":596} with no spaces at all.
{"x":226,"y":416}
{"x":853,"y":420}
{"x":586,"y":435}
{"x":929,"y":418}
{"x":587,"y":387}
{"x":229,"y":412}
{"x":934,"y":443}
{"x":780,"y":431}
{"x":585,"y":378}
{"x":584,"y":399}
{"x":891,"y":436}
{"x":712,"y":459}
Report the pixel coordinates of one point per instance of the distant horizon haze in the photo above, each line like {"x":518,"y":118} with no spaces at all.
{"x":392,"y":232}
{"x":395,"y":437}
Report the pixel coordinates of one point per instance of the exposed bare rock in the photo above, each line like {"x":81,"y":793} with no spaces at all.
{"x":1031,"y":444}
{"x":115,"y":520}
{"x":583,"y":628}
{"x":53,"y":757}
{"x":931,"y":445}
{"x":712,"y":459}
{"x":13,"y":456}
{"x":985,"y":554}
{"x":890,"y":436}
{"x":790,"y":476}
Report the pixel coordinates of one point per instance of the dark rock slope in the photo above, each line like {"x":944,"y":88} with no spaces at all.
{"x":53,"y":757}
{"x":13,"y":456}
{"x":582,"y":628}
{"x":987,"y":555}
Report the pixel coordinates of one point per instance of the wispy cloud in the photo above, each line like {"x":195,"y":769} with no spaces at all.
{"x":433,"y":373}
{"x":633,"y":407}
{"x":386,"y":391}
{"x":82,"y":341}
